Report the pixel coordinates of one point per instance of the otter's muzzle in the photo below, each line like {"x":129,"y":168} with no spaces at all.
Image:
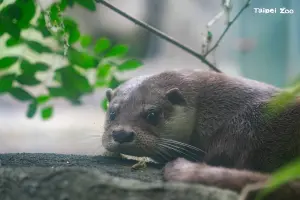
{"x":123,"y":136}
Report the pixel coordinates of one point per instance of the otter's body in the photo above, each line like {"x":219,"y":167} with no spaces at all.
{"x":219,"y":114}
{"x":165,"y":115}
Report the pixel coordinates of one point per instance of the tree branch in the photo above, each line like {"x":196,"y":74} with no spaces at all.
{"x":227,"y":28}
{"x":159,"y":34}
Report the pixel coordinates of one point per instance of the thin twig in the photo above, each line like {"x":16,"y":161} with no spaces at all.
{"x":159,"y":34}
{"x":227,"y":28}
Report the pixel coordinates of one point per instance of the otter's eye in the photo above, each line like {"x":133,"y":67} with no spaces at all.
{"x":153,"y":117}
{"x":112,"y":115}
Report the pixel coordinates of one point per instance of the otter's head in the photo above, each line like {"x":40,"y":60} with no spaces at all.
{"x":149,"y":116}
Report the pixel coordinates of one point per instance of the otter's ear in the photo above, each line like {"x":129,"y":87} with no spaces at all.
{"x":175,"y":97}
{"x":109,"y":93}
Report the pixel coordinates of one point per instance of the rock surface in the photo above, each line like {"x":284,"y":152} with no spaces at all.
{"x":74,"y":177}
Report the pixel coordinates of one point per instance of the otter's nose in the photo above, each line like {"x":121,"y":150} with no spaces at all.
{"x":123,"y":136}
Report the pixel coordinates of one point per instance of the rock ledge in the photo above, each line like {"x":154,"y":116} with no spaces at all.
{"x":75,"y":177}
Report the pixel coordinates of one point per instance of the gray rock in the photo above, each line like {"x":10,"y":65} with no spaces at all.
{"x":74,"y":177}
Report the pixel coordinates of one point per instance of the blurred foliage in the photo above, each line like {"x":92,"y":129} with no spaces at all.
{"x":287,"y":173}
{"x":283,"y":99}
{"x":83,"y":54}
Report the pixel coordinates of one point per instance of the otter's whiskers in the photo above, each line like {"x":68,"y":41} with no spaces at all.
{"x":169,"y":149}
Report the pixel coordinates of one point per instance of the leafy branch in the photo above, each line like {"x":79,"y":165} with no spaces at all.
{"x":80,"y":52}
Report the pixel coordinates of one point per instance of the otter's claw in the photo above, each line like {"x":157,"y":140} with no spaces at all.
{"x":142,"y":164}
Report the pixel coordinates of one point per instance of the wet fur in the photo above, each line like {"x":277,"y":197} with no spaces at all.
{"x":222,"y":115}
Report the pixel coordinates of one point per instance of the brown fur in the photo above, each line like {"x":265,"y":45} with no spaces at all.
{"x":221,"y":115}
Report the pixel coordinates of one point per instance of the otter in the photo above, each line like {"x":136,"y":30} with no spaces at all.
{"x":205,"y":117}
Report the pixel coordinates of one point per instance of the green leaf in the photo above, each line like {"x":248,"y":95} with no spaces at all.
{"x":7,"y":62}
{"x":28,"y":79}
{"x":63,"y":4}
{"x":40,"y":66}
{"x":104,"y":104}
{"x":74,"y":36}
{"x":101,"y":45}
{"x":103,"y":70}
{"x":13,"y":30}
{"x":57,"y":77}
{"x":54,"y":14}
{"x":20,"y":94}
{"x":89,"y":4}
{"x":41,"y":26}
{"x":2,"y":31}
{"x":30,"y":68}
{"x":11,"y":12}
{"x":71,"y":28}
{"x":129,"y":65}
{"x":9,"y":27}
{"x":101,"y":83}
{"x":47,"y":112}
{"x":6,"y":82}
{"x":31,"y":110}
{"x":117,"y":50}
{"x":74,"y":85}
{"x":27,"y":67}
{"x":18,"y":14}
{"x":287,"y":173}
{"x":72,"y":79}
{"x":209,"y":35}
{"x":42,"y":99}
{"x":38,"y":47}
{"x":85,"y":40}
{"x":12,"y":42}
{"x":82,"y":59}
{"x":279,"y":102}
{"x":57,"y":91}
{"x":114,"y":82}
{"x":27,"y":12}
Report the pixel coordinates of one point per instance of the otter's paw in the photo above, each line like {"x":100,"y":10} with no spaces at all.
{"x":181,"y":170}
{"x":142,"y":164}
